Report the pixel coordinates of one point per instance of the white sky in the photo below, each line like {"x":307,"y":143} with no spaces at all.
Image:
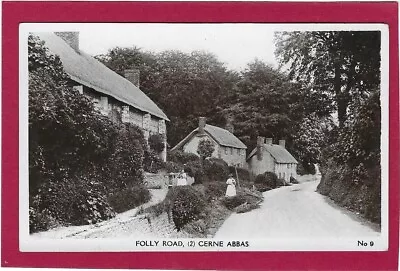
{"x":234,"y":44}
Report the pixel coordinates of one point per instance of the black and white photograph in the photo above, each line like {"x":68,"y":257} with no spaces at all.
{"x":205,"y":137}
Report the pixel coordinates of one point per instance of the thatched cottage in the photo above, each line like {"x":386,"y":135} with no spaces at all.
{"x":272,"y":158}
{"x":114,"y":96}
{"x":227,"y":146}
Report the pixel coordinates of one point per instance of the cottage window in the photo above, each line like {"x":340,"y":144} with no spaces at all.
{"x":226,"y":150}
{"x":288,"y":165}
{"x":238,"y":151}
{"x":231,"y":151}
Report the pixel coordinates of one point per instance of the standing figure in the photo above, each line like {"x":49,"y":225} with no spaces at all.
{"x":231,"y":189}
{"x":181,"y":178}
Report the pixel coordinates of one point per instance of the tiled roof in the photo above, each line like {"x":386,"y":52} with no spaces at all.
{"x":279,"y":153}
{"x":88,"y":71}
{"x":221,"y":136}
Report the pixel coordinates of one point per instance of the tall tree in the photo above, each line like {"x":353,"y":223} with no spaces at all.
{"x":342,"y":64}
{"x":265,"y":102}
{"x":184,"y":85}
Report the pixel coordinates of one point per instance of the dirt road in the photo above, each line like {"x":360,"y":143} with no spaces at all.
{"x":296,"y":211}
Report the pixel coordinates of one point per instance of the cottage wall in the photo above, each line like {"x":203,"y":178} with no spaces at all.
{"x":233,"y":156}
{"x":267,"y":163}
{"x":285,"y":171}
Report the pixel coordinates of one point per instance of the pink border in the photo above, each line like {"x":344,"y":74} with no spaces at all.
{"x":273,"y":12}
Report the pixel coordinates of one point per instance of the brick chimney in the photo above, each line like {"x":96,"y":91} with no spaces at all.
{"x":229,"y":126}
{"x":282,"y":143}
{"x":202,"y":124}
{"x":268,"y":141}
{"x":72,"y":38}
{"x":260,"y":142}
{"x":133,"y":75}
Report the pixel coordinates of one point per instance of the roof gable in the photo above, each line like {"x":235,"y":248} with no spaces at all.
{"x":221,"y":136}
{"x":279,"y":153}
{"x":88,"y":71}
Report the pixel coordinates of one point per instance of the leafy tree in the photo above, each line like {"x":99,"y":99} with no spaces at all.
{"x":76,"y":156}
{"x":184,"y":85}
{"x":205,"y":148}
{"x":344,"y":65}
{"x":309,"y":139}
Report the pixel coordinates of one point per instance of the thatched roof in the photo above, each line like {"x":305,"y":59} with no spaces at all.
{"x":279,"y":153}
{"x":88,"y":71}
{"x":221,"y":136}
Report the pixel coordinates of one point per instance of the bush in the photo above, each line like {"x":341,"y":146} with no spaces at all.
{"x":267,"y":179}
{"x":214,"y":190}
{"x":41,"y":220}
{"x":156,"y":143}
{"x":152,"y":162}
{"x":127,"y":158}
{"x":293,"y":180}
{"x":76,"y":201}
{"x":187,"y":206}
{"x":235,"y":201}
{"x":216,"y":170}
{"x":181,"y":157}
{"x":243,"y":174}
{"x":173,"y":167}
{"x":193,"y":169}
{"x":129,"y":198}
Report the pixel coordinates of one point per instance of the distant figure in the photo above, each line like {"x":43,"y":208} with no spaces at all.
{"x":181,"y":178}
{"x":231,"y":189}
{"x":170,"y":181}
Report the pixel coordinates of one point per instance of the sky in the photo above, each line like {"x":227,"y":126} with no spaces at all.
{"x":233,"y":44}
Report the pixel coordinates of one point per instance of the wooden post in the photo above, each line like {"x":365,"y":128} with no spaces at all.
{"x":237,"y":177}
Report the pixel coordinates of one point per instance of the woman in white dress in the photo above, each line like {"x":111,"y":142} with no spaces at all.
{"x":231,"y":189}
{"x":181,"y":179}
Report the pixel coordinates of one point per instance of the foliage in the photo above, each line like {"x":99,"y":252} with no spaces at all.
{"x":41,"y":220}
{"x":173,"y":167}
{"x":184,"y":85}
{"x":214,"y":190}
{"x":343,"y":64}
{"x":181,"y":157}
{"x":243,"y":174}
{"x":65,"y":134}
{"x":216,"y":170}
{"x":359,"y":139}
{"x":268,"y":179}
{"x":128,"y":155}
{"x":152,"y":162}
{"x":293,"y":180}
{"x":194,"y":169}
{"x":205,"y":148}
{"x":235,"y":201}
{"x":77,"y":200}
{"x":76,"y":156}
{"x":187,"y":205}
{"x":156,"y":143}
{"x":129,"y":198}
{"x":309,"y":139}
